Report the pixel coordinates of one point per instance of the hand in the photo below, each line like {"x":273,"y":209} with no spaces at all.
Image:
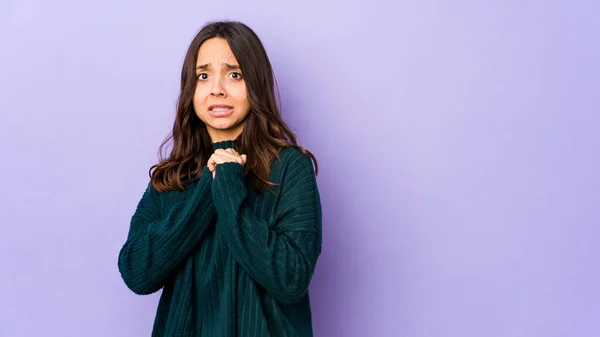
{"x":221,"y":156}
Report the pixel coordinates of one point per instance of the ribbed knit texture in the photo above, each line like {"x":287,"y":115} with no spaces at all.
{"x":230,"y":261}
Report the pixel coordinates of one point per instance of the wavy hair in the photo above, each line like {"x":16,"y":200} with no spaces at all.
{"x":264,"y":134}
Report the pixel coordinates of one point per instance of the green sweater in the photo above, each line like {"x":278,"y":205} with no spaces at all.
{"x":231,"y":261}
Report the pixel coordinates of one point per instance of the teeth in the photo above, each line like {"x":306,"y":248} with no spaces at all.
{"x":219,"y":109}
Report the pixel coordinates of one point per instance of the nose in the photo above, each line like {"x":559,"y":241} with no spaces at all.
{"x":217,"y":88}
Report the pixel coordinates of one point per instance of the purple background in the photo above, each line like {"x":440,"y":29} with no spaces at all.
{"x":458,"y":144}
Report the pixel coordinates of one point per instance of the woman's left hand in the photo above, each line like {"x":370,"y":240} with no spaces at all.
{"x":221,"y":156}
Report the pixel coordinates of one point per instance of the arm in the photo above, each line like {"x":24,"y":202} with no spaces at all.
{"x":155,"y":247}
{"x":282,"y":259}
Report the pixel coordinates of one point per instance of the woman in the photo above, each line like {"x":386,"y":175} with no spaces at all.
{"x":230,"y":225}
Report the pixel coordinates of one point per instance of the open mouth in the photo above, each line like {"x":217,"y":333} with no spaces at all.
{"x":220,"y":107}
{"x":220,"y":110}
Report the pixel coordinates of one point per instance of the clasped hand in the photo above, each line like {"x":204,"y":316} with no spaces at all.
{"x":221,"y":156}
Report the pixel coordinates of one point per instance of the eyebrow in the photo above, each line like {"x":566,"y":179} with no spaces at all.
{"x":224,"y":65}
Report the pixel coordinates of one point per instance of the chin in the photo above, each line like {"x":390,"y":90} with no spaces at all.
{"x":223,"y":126}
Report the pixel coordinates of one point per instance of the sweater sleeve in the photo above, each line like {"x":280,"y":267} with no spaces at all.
{"x":281,"y":259}
{"x":156,"y":245}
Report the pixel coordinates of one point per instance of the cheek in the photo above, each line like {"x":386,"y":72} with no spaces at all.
{"x":199,"y":96}
{"x":240,"y":96}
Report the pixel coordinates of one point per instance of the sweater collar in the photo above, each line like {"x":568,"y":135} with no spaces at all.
{"x":225,"y":144}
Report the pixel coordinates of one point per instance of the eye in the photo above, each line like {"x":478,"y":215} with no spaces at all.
{"x":202,"y":76}
{"x":236,"y":76}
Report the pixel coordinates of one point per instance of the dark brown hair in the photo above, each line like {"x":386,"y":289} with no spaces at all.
{"x":264,"y":134}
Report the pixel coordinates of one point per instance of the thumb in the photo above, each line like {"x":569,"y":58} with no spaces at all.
{"x":244,"y":158}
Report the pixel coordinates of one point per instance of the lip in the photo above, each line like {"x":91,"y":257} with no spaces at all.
{"x":223,"y":113}
{"x":219,"y":106}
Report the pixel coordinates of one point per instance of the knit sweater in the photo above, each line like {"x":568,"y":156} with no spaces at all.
{"x":230,"y":260}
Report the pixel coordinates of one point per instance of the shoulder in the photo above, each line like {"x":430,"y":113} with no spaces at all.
{"x":293,"y":168}
{"x":292,"y":157}
{"x":151,"y":194}
{"x":161,"y":200}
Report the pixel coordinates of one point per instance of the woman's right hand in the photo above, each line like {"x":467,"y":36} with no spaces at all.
{"x":221,"y":156}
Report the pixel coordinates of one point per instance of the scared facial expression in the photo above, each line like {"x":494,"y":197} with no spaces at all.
{"x":220,"y":99}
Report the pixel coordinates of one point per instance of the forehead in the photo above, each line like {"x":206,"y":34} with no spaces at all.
{"x":215,"y":51}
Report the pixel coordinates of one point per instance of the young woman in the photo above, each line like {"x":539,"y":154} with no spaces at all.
{"x":230,"y":225}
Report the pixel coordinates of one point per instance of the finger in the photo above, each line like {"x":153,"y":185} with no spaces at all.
{"x":219,"y":158}
{"x":244,"y":158}
{"x":228,"y":156}
{"x":228,"y":150}
{"x":238,"y":159}
{"x":211,"y":163}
